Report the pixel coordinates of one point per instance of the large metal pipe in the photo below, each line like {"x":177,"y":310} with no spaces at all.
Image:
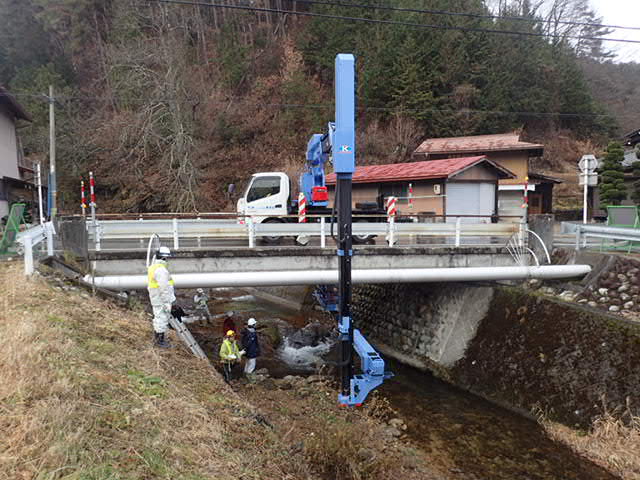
{"x":322,"y":277}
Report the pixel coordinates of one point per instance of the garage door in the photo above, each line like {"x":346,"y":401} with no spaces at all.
{"x":466,"y":198}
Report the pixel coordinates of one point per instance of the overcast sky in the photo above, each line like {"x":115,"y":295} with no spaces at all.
{"x":625,"y":13}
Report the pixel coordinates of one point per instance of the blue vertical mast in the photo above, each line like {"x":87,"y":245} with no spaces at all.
{"x":353,"y":388}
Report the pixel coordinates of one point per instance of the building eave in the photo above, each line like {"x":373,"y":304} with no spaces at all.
{"x":12,"y":104}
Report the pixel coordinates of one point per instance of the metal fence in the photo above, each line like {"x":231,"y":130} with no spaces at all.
{"x":73,"y":241}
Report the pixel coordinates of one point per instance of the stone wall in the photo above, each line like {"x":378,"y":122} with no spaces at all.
{"x":431,"y":322}
{"x":516,"y":347}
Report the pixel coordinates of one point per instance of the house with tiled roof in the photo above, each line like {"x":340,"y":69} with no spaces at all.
{"x":465,"y":187}
{"x":508,"y":151}
{"x":16,"y":173}
{"x":632,"y":139}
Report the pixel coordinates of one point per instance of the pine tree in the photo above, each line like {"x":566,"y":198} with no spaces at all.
{"x":410,"y":89}
{"x":612,"y":188}
{"x":635,"y":195}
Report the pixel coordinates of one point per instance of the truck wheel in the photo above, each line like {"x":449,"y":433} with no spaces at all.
{"x":362,"y":239}
{"x":276,"y":240}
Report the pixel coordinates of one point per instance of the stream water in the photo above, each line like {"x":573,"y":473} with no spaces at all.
{"x":471,"y":437}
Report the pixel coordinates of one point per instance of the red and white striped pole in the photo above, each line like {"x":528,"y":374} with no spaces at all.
{"x":83,"y":198}
{"x":411,"y":195}
{"x":302,"y":208}
{"x":92,"y":192}
{"x":391,"y":215}
{"x":525,"y":203}
{"x":391,"y":208}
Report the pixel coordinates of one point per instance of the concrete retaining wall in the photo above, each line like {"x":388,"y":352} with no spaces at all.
{"x":512,"y":346}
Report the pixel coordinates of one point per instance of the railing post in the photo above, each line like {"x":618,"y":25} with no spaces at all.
{"x":323,"y":238}
{"x":176,"y":240}
{"x":392,"y":231}
{"x":28,"y":255}
{"x":578,"y":234}
{"x":251,"y":228}
{"x":458,"y":224}
{"x":96,"y":234}
{"x":413,"y":239}
{"x":49,"y":234}
{"x":521,"y":232}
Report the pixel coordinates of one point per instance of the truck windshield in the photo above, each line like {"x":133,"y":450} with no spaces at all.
{"x":263,"y":187}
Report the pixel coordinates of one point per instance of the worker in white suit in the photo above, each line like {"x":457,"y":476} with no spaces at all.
{"x":201,"y":300}
{"x":161,"y":294}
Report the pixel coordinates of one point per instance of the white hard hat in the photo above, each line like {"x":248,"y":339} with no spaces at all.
{"x":251,"y":322}
{"x":163,"y":252}
{"x":200,"y":290}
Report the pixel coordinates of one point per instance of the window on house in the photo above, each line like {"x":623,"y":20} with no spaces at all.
{"x":399,"y":190}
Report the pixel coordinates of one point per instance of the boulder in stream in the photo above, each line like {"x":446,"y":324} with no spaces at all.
{"x":309,"y":336}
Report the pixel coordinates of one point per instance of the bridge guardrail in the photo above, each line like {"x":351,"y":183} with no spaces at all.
{"x":583,"y":232}
{"x":176,"y":230}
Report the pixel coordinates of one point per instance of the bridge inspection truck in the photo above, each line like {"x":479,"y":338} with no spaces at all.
{"x":268,"y":196}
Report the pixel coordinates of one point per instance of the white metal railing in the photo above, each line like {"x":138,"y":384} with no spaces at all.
{"x":584,"y":232}
{"x":30,"y":239}
{"x":177,"y":230}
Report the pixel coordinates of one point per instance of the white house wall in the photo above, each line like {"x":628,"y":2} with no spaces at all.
{"x":8,"y":146}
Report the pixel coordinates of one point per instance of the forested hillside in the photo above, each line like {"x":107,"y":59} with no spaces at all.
{"x":169,"y":103}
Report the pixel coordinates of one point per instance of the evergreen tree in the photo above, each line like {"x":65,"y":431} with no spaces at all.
{"x":635,"y":195}
{"x":612,"y":188}
{"x":410,"y":86}
{"x":593,"y":48}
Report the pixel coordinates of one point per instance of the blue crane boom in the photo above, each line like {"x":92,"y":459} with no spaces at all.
{"x":312,"y":181}
{"x":339,"y":146}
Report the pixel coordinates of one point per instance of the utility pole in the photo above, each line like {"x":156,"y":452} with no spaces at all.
{"x":52,"y":155}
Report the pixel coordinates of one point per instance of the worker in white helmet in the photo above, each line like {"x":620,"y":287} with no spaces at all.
{"x":251,"y":347}
{"x":201,"y":299}
{"x":161,"y":294}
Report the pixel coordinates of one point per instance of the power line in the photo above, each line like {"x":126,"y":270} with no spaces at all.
{"x":389,"y":22}
{"x":462,"y":14}
{"x":361,"y":108}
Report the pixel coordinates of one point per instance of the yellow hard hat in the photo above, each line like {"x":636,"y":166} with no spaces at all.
{"x":230,"y":333}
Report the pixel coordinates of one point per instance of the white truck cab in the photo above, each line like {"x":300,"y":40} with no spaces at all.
{"x":267,"y":195}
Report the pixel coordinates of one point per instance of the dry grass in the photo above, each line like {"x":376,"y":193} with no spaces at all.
{"x":84,"y":396}
{"x":612,"y":443}
{"x":334,"y":452}
{"x":342,"y":443}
